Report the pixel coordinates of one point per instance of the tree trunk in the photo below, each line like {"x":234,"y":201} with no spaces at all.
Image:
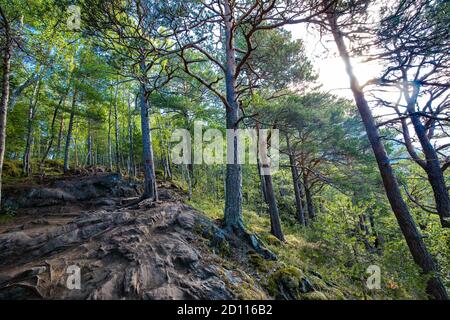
{"x":308,"y":198}
{"x":189,"y":182}
{"x":109,"y":139}
{"x":69,"y":131}
{"x":275,"y":223}
{"x":131,"y":172}
{"x":19,"y":89}
{"x":165,"y":155}
{"x":233,"y":180}
{"x":116,"y":131}
{"x":6,"y":65}
{"x":295,"y":178}
{"x":52,"y":132}
{"x":168,"y":167}
{"x":261,"y":181}
{"x":29,"y":140}
{"x":412,"y":236}
{"x":432,"y":166}
{"x":60,"y":136}
{"x":89,"y":158}
{"x":150,"y":188}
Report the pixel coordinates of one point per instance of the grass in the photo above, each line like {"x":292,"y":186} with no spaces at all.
{"x":297,"y":253}
{"x":5,"y":218}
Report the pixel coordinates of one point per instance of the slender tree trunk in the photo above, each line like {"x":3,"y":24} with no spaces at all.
{"x":110,"y":160}
{"x":168,"y":166}
{"x":295,"y":178}
{"x":165,"y":158}
{"x":116,"y":131}
{"x":6,"y":65}
{"x":233,"y":180}
{"x":261,"y":181}
{"x":189,"y":181}
{"x":69,"y":131}
{"x":432,"y":166}
{"x":412,"y":236}
{"x":29,"y":140}
{"x":150,"y":188}
{"x":308,"y":198}
{"x":379,"y":241}
{"x":275,"y":223}
{"x":132,"y":172}
{"x":19,"y":89}
{"x":258,"y":163}
{"x":61,"y":103}
{"x":60,"y":136}
{"x":89,"y":161}
{"x":52,"y":132}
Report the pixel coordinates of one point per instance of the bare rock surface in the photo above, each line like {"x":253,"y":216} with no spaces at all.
{"x":98,"y":189}
{"x":144,"y":252}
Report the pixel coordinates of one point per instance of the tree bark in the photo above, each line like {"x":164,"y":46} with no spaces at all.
{"x":308,"y":198}
{"x":233,"y":180}
{"x":69,"y":131}
{"x":60,"y":136}
{"x":116,"y":131}
{"x":407,"y":225}
{"x":131,"y":172}
{"x":19,"y":89}
{"x":261,"y":180}
{"x":295,"y":178}
{"x":89,"y":158}
{"x":109,"y":139}
{"x":52,"y":132}
{"x":275,"y":223}
{"x":150,"y":188}
{"x":432,"y":166}
{"x":6,"y":65}
{"x":29,"y":140}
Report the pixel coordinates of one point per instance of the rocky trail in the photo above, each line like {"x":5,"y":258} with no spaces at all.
{"x":162,"y":250}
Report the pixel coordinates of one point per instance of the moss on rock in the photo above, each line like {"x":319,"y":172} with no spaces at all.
{"x":11,"y":169}
{"x":285,"y":283}
{"x":314,"y":295}
{"x":272,"y":240}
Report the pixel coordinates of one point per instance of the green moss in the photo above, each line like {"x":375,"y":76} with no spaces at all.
{"x":223,"y":248}
{"x":315,"y":295}
{"x":318,"y":283}
{"x":335,"y":294}
{"x":11,"y":168}
{"x":303,"y":250}
{"x":159,"y":173}
{"x":288,"y":277}
{"x":260,"y":264}
{"x":8,"y":215}
{"x":248,"y":292}
{"x":272,"y":240}
{"x":52,"y":167}
{"x":257,"y":261}
{"x":5,"y":218}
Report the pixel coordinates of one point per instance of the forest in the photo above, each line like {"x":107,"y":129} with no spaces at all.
{"x":123,"y":159}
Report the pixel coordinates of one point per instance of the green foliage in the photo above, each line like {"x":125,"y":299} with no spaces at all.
{"x":114,"y":58}
{"x":11,"y":168}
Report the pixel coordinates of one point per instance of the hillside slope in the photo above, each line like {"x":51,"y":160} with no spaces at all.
{"x":163,"y":250}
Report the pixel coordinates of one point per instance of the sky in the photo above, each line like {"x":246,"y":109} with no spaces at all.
{"x":332,"y":75}
{"x":329,"y":65}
